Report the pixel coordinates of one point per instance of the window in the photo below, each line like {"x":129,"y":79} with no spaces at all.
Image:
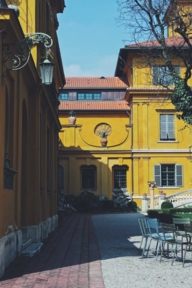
{"x":120,"y":177}
{"x":161,"y":75}
{"x":167,"y":127}
{"x":168,"y":175}
{"x":63,"y":96}
{"x":97,"y":96}
{"x":89,"y":96}
{"x":88,"y":177}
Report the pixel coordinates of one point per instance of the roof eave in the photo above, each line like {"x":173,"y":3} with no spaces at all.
{"x":94,"y":88}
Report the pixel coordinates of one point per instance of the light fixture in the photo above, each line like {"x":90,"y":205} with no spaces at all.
{"x":46,"y":72}
{"x":18,"y":56}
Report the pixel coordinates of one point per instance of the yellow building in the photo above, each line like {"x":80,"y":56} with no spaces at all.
{"x":96,"y":152}
{"x":28,"y":124}
{"x":146,"y":142}
{"x":161,"y":143}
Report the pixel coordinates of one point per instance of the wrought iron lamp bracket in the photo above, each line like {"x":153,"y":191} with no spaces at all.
{"x":18,"y":57}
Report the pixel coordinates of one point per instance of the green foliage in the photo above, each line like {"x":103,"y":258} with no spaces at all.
{"x":182,"y":99}
{"x":181,"y":210}
{"x":166,"y":205}
{"x":161,"y":215}
{"x":166,"y":215}
{"x":132,"y":206}
{"x":153,"y":213}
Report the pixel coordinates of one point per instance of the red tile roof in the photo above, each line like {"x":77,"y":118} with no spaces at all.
{"x":94,"y":105}
{"x":171,"y":41}
{"x":94,"y":82}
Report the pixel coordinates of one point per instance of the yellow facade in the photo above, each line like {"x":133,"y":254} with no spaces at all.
{"x":83,"y":147}
{"x":134,"y":142}
{"x":148,"y":150}
{"x":149,"y":104}
{"x":29,"y":129}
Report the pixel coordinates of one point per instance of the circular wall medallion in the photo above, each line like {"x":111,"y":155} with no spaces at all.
{"x":103,"y":130}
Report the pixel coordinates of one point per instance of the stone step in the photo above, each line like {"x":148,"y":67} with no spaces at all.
{"x":32,"y":249}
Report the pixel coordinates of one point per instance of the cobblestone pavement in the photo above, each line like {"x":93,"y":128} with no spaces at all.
{"x":69,"y":259}
{"x":122,"y":266}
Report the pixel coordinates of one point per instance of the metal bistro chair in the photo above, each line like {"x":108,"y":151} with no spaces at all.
{"x":188,"y":247}
{"x":154,"y":233}
{"x":183,"y":234}
{"x":144,"y":234}
{"x":166,"y":238}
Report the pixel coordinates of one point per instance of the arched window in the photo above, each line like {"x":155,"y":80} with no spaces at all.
{"x":88,"y":177}
{"x":120,"y":176}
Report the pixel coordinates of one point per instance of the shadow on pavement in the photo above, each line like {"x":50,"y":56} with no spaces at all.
{"x":75,"y":242}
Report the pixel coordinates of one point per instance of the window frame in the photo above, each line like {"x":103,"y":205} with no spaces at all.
{"x":178,"y":175}
{"x":119,"y":168}
{"x":157,"y":78}
{"x":89,"y":96}
{"x":66,"y":98}
{"x":167,"y":129}
{"x":83,"y":169}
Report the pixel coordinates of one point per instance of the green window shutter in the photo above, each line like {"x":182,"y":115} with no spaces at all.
{"x":157,"y":173}
{"x":179,"y":175}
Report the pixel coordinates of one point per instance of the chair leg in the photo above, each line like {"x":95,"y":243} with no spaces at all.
{"x":141,"y":242}
{"x":147,"y":248}
{"x":162,"y":250}
{"x":144,"y":247}
{"x":174,"y":254}
{"x":156,"y":248}
{"x":185,"y":252}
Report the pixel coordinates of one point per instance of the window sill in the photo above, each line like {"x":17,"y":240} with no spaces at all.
{"x":169,"y":187}
{"x":167,"y":141}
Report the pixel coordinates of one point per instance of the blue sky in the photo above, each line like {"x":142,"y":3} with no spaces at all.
{"x":90,"y":37}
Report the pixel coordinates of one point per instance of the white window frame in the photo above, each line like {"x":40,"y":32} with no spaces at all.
{"x":167,"y":127}
{"x":178,"y":176}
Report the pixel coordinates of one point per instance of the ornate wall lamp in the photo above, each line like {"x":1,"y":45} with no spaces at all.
{"x":19,"y":57}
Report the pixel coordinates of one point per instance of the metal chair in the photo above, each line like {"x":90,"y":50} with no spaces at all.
{"x":154,"y":233}
{"x":144,"y":233}
{"x":166,"y":238}
{"x":183,"y":234}
{"x":183,"y":241}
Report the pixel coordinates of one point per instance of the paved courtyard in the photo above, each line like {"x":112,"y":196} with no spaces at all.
{"x":122,"y":265}
{"x":99,"y":251}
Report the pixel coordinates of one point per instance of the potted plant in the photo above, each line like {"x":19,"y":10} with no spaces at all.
{"x":72,"y":118}
{"x":103,"y":138}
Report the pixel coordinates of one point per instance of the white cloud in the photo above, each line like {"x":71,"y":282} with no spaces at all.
{"x":104,"y":67}
{"x":73,"y":70}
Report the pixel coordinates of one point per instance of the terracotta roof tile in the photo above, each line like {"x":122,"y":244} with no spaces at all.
{"x":171,"y":41}
{"x":94,"y":105}
{"x":94,"y":82}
